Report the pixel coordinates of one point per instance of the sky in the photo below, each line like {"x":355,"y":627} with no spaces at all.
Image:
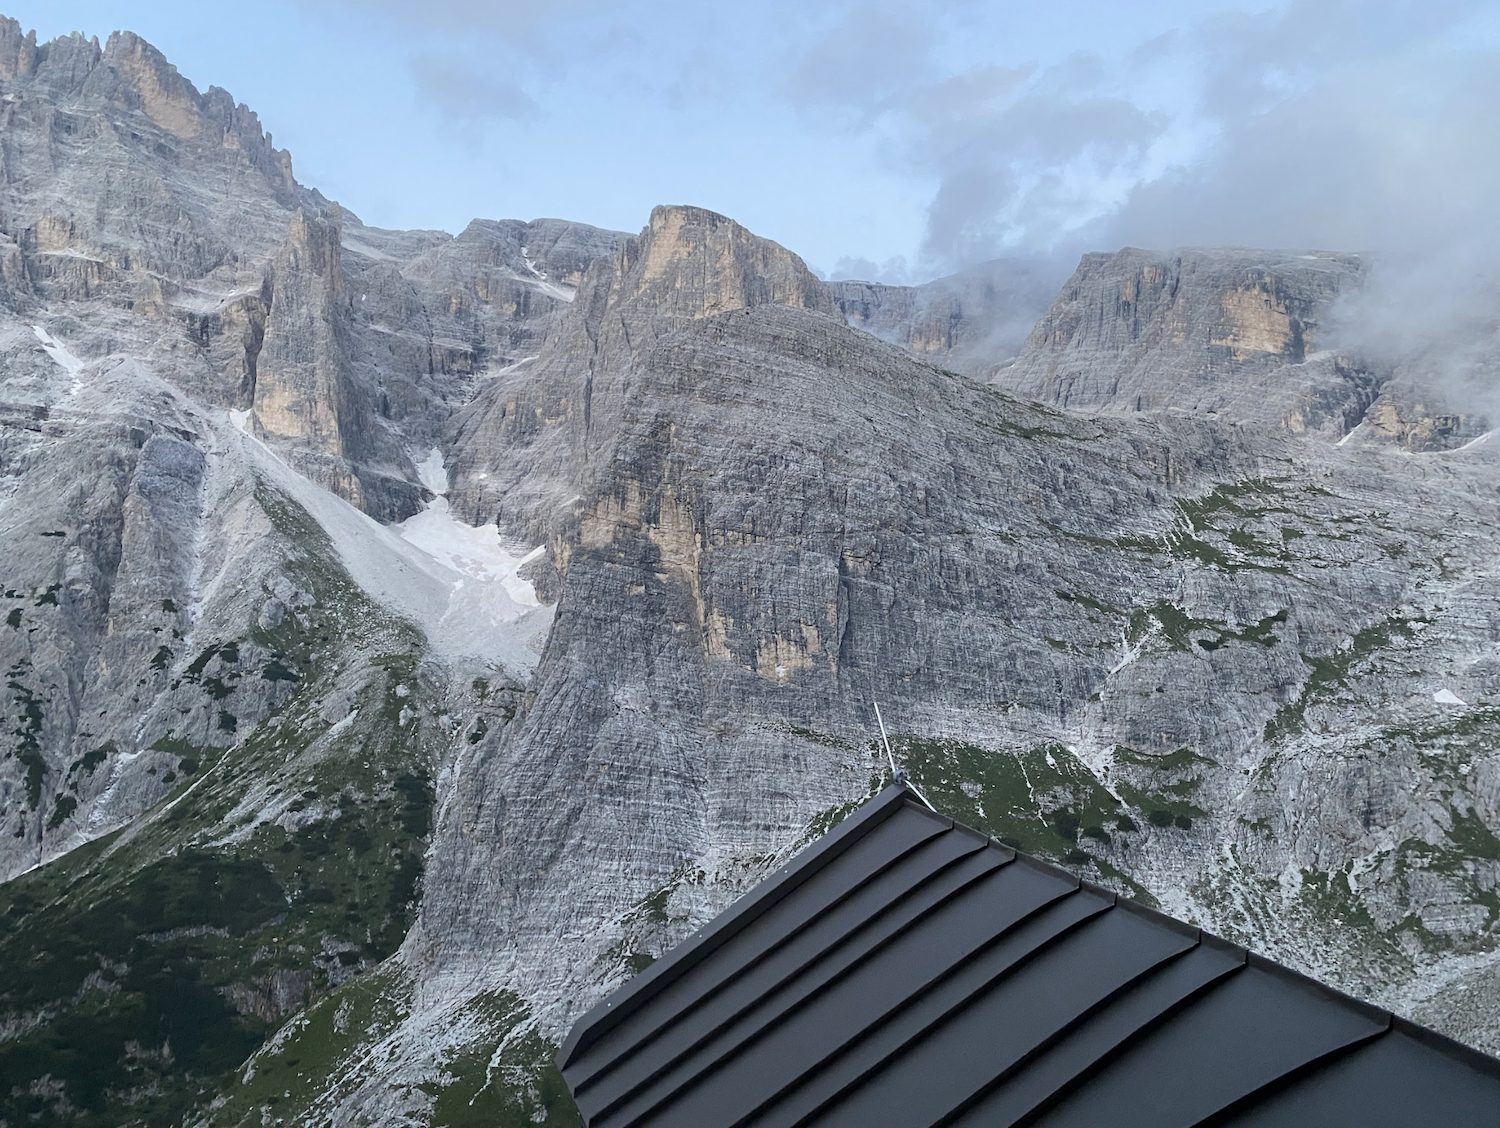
{"x":888,"y":140}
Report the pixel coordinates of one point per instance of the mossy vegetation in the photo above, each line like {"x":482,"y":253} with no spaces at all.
{"x":26,"y":745}
{"x":1182,"y":632}
{"x":1037,"y":799}
{"x":1042,"y":800}
{"x":505,"y":1077}
{"x":142,"y":971}
{"x":287,"y":1076}
{"x":1330,"y":674}
{"x":645,"y":929}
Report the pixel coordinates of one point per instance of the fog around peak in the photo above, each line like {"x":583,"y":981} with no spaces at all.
{"x":897,"y":140}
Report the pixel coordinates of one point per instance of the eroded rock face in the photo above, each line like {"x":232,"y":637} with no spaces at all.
{"x":1221,"y":332}
{"x":308,"y":397}
{"x":1419,"y":420}
{"x":246,"y":292}
{"x":539,"y":431}
{"x":969,"y":322}
{"x":1170,"y":647}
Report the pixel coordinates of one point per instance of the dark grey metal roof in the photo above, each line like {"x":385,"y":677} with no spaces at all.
{"x":908,"y":971}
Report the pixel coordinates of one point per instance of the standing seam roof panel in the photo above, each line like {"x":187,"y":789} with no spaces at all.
{"x":763,"y":994}
{"x":905,"y":972}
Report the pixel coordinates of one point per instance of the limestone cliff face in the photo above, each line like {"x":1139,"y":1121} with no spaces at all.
{"x":307,"y":398}
{"x":349,"y":357}
{"x":690,"y":263}
{"x":115,"y":127}
{"x":1171,"y":650}
{"x":537,"y":432}
{"x":1418,"y":419}
{"x":1225,"y":332}
{"x":301,"y":388}
{"x":1163,"y":646}
{"x":968,"y":322}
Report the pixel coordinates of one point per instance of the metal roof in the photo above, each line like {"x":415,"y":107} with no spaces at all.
{"x":908,"y":971}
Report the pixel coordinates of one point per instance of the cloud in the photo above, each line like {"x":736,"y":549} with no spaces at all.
{"x":891,"y":272}
{"x":1331,"y":135}
{"x":1025,"y":158}
{"x":464,"y":93}
{"x":862,"y":60}
{"x":1320,"y":122}
{"x":1380,"y":135}
{"x":510,"y":17}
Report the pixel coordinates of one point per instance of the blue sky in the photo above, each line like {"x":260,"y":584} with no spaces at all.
{"x":877,"y":139}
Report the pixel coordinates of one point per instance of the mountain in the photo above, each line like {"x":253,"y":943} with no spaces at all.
{"x":968,"y":321}
{"x":409,"y":636}
{"x":1232,"y":333}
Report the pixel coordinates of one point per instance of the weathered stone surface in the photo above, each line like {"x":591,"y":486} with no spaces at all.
{"x":244,"y":290}
{"x":1213,"y":332}
{"x":1419,"y":419}
{"x":538,"y":430}
{"x":969,"y":322}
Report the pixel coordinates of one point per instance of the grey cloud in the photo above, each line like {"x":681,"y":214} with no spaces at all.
{"x":1390,"y":146}
{"x":465,"y":92}
{"x":1022,"y":169}
{"x":870,"y":54}
{"x":510,"y":16}
{"x":892,"y":272}
{"x":1328,"y":124}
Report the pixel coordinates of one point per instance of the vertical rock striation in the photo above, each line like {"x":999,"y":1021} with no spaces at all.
{"x":1213,"y":332}
{"x":537,"y":432}
{"x":970,"y":321}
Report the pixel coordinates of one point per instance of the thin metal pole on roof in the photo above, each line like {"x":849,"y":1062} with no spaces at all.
{"x":896,"y":773}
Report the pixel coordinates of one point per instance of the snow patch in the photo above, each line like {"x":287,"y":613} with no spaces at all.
{"x":432,"y":473}
{"x":362,"y":248}
{"x":508,"y":369}
{"x":457,"y":582}
{"x":1448,"y":697}
{"x":565,"y":293}
{"x":1484,"y":438}
{"x":1353,"y":431}
{"x":65,"y":360}
{"x":475,"y":552}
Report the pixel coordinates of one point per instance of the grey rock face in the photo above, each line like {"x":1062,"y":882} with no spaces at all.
{"x":244,"y":288}
{"x":1183,"y":635}
{"x":537,"y":432}
{"x":1223,"y":332}
{"x":307,"y":395}
{"x":1419,"y":419}
{"x":969,"y":322}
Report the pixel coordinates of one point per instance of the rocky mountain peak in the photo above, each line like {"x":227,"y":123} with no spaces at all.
{"x":388,"y":805}
{"x":154,"y":85}
{"x":17,"y":49}
{"x":690,"y":262}
{"x":1216,"y":331}
{"x":564,"y":411}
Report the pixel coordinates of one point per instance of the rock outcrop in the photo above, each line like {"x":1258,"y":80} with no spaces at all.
{"x":539,"y":431}
{"x":1233,"y":333}
{"x":307,"y":396}
{"x":1418,"y":419}
{"x":968,"y":322}
{"x":245,"y":291}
